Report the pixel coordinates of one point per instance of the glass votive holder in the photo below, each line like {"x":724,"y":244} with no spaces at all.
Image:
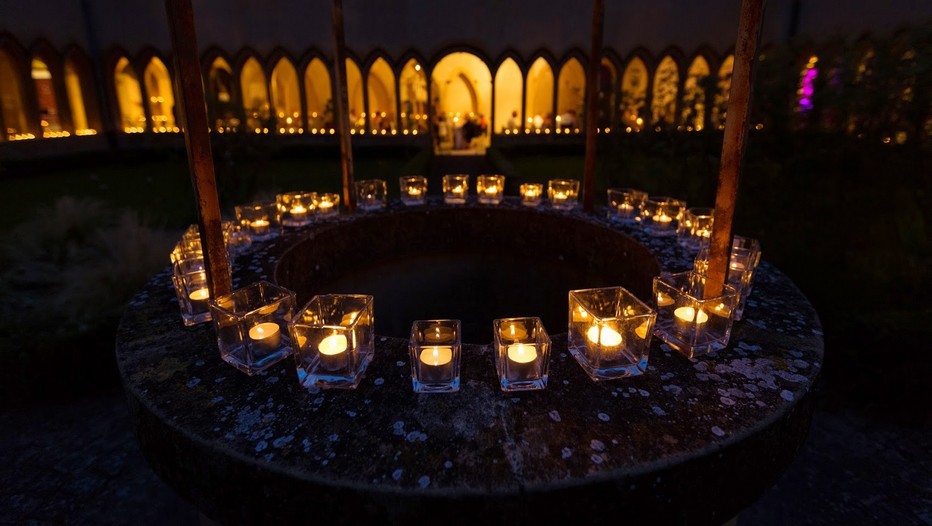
{"x":296,"y":208}
{"x":334,"y":340}
{"x":252,"y":326}
{"x":328,"y":204}
{"x":624,"y":204}
{"x":660,"y":215}
{"x":190,"y":280}
{"x":371,"y":194}
{"x":609,"y":332}
{"x":259,"y":220}
{"x":689,"y":322}
{"x":522,"y":353}
{"x":413,"y":189}
{"x":455,"y":188}
{"x":435,"y":347}
{"x":740,"y":273}
{"x":563,"y":193}
{"x":695,"y":227}
{"x":531,"y":194}
{"x":490,"y":189}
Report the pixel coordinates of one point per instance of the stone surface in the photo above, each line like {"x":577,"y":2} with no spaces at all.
{"x":692,"y":440}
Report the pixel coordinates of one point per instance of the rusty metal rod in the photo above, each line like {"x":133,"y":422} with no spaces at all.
{"x":733,"y":146}
{"x":592,"y":104}
{"x":193,"y":112}
{"x":341,"y":99}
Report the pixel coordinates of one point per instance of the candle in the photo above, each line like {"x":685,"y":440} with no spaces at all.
{"x":559,"y":196}
{"x":266,"y":337}
{"x":688,"y":315}
{"x":641,"y":331}
{"x":625,"y":209}
{"x":324,"y":206}
{"x":458,"y":189}
{"x":259,"y":227}
{"x":436,"y":364}
{"x":298,"y":212}
{"x":703,"y":232}
{"x":531,"y":193}
{"x":664,"y":300}
{"x":491,"y":190}
{"x":604,"y":336}
{"x":522,"y":361}
{"x":438,"y":334}
{"x":514,"y":331}
{"x":662,"y":218}
{"x":414,"y":191}
{"x":199,"y":299}
{"x":333,"y":352}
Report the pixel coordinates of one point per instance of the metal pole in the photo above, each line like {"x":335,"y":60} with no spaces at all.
{"x":193,"y":112}
{"x":592,"y":104}
{"x":342,"y":102}
{"x":736,"y":133}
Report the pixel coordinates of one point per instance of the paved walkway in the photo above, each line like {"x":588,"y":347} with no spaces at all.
{"x":77,"y":463}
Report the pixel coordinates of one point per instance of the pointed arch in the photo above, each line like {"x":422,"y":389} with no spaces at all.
{"x":158,"y":84}
{"x":129,"y":96}
{"x":461,"y":88}
{"x":318,"y":94}
{"x":720,"y":105}
{"x":380,"y":91}
{"x":608,"y":79}
{"x":693,"y":102}
{"x":49,"y":111}
{"x":255,"y":93}
{"x":509,"y":82}
{"x":665,"y":89}
{"x":413,"y":94}
{"x":633,"y":102}
{"x":221,"y":95}
{"x":356,"y":104}
{"x":571,"y":95}
{"x":286,"y":97}
{"x":79,"y":89}
{"x":15,"y":122}
{"x":538,"y":93}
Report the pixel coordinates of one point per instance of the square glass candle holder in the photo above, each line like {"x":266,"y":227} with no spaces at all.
{"x":609,"y":332}
{"x":624,"y":204}
{"x":563,"y":193}
{"x":660,"y":215}
{"x":490,"y":189}
{"x":296,"y":208}
{"x":695,"y":227}
{"x":190,"y":280}
{"x":522,"y":353}
{"x":259,"y":220}
{"x":689,"y":322}
{"x":371,"y":194}
{"x":531,"y":194}
{"x":435,"y":347}
{"x":455,"y":188}
{"x":413,"y":189}
{"x":334,"y":340}
{"x":252,"y":326}
{"x":741,"y":265}
{"x":328,"y":204}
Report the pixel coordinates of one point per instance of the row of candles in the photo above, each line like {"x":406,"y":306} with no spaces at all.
{"x":332,"y":336}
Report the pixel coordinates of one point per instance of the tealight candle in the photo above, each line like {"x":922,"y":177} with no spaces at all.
{"x":199,"y":299}
{"x":414,"y":191}
{"x":662,"y":218}
{"x":491,"y":190}
{"x":332,"y":352}
{"x":604,"y":336}
{"x":689,"y":315}
{"x":259,"y":227}
{"x":324,"y":206}
{"x":522,"y":360}
{"x":265,"y":336}
{"x":436,"y":364}
{"x":298,"y":212}
{"x":664,"y":300}
{"x":458,"y":189}
{"x":514,"y":331}
{"x":438,"y":334}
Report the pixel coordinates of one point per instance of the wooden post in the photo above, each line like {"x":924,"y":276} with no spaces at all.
{"x":592,"y":104}
{"x":342,"y":102}
{"x":736,"y":133}
{"x":193,"y":112}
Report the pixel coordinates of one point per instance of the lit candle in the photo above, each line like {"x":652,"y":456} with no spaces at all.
{"x":625,"y":209}
{"x":265,"y":337}
{"x":414,"y":191}
{"x":604,"y":336}
{"x":662,"y":218}
{"x":531,"y":193}
{"x":199,"y":299}
{"x":324,"y":206}
{"x":664,"y":300}
{"x":436,"y":364}
{"x":703,"y":232}
{"x":515,"y":331}
{"x":559,"y":196}
{"x":298,"y":212}
{"x":438,"y":334}
{"x":522,"y":361}
{"x":333,"y":352}
{"x":259,"y":227}
{"x":458,"y":189}
{"x":689,"y":315}
{"x":641,"y":331}
{"x":491,"y":190}
{"x":735,"y":265}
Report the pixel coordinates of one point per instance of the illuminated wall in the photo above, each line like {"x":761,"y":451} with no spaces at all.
{"x":129,"y":97}
{"x":286,"y":98}
{"x":571,"y":95}
{"x":694,"y":98}
{"x":508,"y":88}
{"x":461,"y":87}
{"x":634,"y":94}
{"x":539,"y":95}
{"x":161,"y":97}
{"x":380,"y":86}
{"x":413,"y":87}
{"x":256,"y":106}
{"x":666,"y":86}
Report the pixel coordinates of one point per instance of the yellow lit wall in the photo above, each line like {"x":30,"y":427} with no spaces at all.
{"x":161,"y":97}
{"x":357,"y":108}
{"x":255,"y":96}
{"x":75,"y":98}
{"x":633,"y":93}
{"x":724,"y":88}
{"x":539,"y":103}
{"x":286,"y":99}
{"x":381,"y":91}
{"x":49,"y":116}
{"x":508,"y":85}
{"x":413,"y":86}
{"x":463,"y":85}
{"x":666,"y":80}
{"x":318,"y":94}
{"x":571,"y":90}
{"x":693,"y":114}
{"x":129,"y":97}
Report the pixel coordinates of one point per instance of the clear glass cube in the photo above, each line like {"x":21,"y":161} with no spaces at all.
{"x":688,"y":322}
{"x":435,"y":347}
{"x":259,"y":220}
{"x":522,"y":353}
{"x":371,"y":194}
{"x":563,"y":193}
{"x":252,"y":326}
{"x":296,"y":208}
{"x":328,"y":204}
{"x":624,"y":204}
{"x":745,"y":256}
{"x":190,"y":280}
{"x":609,"y":332}
{"x":695,"y":227}
{"x":490,"y":189}
{"x":531,"y":194}
{"x":455,"y":188}
{"x":334,"y":340}
{"x":660,"y":215}
{"x":413,"y":189}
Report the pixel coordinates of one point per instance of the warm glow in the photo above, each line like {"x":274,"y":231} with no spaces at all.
{"x":333,"y":344}
{"x":571,"y":90}
{"x":381,"y":92}
{"x":464,"y":84}
{"x":666,"y":82}
{"x":719,"y":108}
{"x":539,"y":102}
{"x":436,"y":356}
{"x":522,"y":352}
{"x":357,"y":107}
{"x":129,"y":96}
{"x":508,"y":84}
{"x":633,"y":93}
{"x":76,"y":99}
{"x":413,"y":95}
{"x":161,"y":97}
{"x":688,"y":314}
{"x":318,"y":95}
{"x":255,"y":95}
{"x":604,"y":336}
{"x":694,"y":97}
{"x":49,"y":113}
{"x":286,"y":98}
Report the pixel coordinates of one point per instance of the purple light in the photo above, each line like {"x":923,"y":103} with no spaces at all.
{"x":807,"y":88}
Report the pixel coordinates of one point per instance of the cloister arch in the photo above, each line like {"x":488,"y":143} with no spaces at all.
{"x":633,"y":103}
{"x":412,"y":85}
{"x":665,"y":89}
{"x":158,"y":84}
{"x":129,"y":97}
{"x":380,"y":89}
{"x":318,"y":95}
{"x":256,"y":105}
{"x":286,"y":97}
{"x":539,"y":94}
{"x":509,"y":83}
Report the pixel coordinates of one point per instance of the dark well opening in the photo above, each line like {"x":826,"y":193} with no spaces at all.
{"x":474,"y":264}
